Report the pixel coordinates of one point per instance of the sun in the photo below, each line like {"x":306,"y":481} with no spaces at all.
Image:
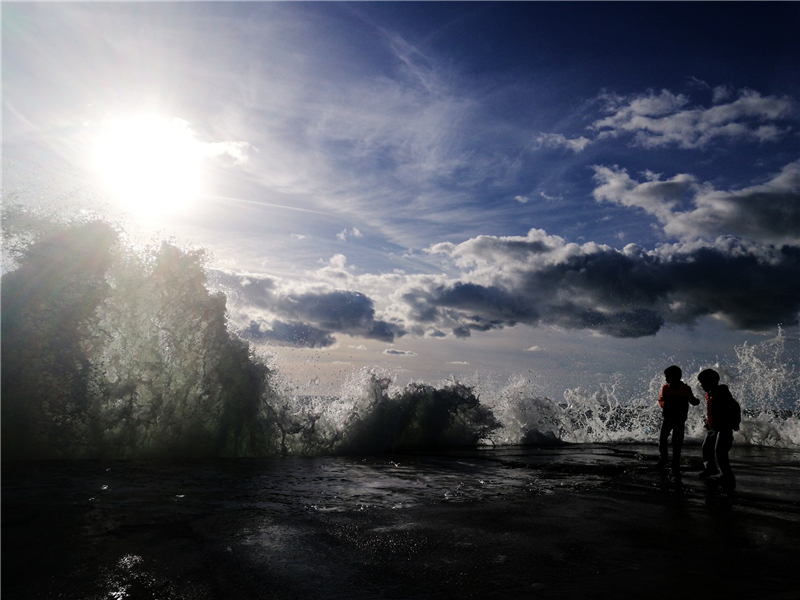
{"x":151,"y":164}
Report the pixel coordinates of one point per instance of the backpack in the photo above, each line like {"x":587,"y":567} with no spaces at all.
{"x":730,"y":413}
{"x":734,"y":414}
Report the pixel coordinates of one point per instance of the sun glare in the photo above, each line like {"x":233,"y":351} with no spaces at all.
{"x":151,"y":164}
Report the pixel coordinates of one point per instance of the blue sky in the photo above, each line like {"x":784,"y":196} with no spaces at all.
{"x":558,"y":190}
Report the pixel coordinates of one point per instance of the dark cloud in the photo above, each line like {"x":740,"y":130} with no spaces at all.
{"x":335,"y":311}
{"x":542,"y":280}
{"x":294,"y":334}
{"x":747,"y":286}
{"x":603,"y":278}
{"x":255,"y":290}
{"x":471,"y":306}
{"x":384,"y":332}
{"x":308,"y":317}
{"x":622,"y":293}
{"x":622,"y":324}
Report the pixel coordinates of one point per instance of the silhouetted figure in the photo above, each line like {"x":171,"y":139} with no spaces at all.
{"x":722,"y":417}
{"x":674,"y":402}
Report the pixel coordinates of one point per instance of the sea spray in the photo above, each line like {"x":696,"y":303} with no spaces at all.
{"x":762,"y":378}
{"x":767,"y":386}
{"x":581,"y":417}
{"x":117,"y":352}
{"x":370,"y":415}
{"x":526,"y":416}
{"x":111,"y":351}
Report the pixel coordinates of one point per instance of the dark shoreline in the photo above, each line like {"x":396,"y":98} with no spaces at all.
{"x":599,"y":521}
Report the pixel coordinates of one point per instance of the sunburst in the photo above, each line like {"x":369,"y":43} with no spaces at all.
{"x":151,"y":164}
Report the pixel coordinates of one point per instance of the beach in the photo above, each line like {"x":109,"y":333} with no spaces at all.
{"x":569,"y":521}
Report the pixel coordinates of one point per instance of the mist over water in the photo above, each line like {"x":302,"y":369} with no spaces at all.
{"x":116,"y":351}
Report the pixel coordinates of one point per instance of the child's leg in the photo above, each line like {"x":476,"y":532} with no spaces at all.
{"x":709,"y":460}
{"x":721,"y":449}
{"x":677,"y":443}
{"x":663,"y":436}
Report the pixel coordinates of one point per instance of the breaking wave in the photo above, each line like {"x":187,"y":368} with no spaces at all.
{"x":120,"y":352}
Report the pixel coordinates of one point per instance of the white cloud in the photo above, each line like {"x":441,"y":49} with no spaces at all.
{"x":458,"y":362}
{"x":338,"y":261}
{"x":550,"y":198}
{"x":395,"y":352}
{"x":721,"y":93}
{"x":657,"y":197}
{"x":235,"y":150}
{"x":344,"y":234}
{"x":768,"y":212}
{"x":499,"y":256}
{"x":522,"y":199}
{"x":665,"y":119}
{"x":533,"y":349}
{"x":557,"y":140}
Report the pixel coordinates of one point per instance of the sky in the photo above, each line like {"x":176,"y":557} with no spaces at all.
{"x":558,"y":191}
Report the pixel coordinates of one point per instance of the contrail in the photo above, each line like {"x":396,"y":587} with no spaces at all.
{"x":257,"y":203}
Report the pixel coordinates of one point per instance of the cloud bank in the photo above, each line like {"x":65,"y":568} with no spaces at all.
{"x":540,"y":279}
{"x":736,"y":259}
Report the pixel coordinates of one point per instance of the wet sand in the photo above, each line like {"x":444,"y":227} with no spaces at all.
{"x":575,"y":522}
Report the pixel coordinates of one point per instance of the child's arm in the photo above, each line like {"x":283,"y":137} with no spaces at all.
{"x":692,"y":400}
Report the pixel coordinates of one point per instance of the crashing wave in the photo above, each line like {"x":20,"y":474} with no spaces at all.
{"x":117,"y":352}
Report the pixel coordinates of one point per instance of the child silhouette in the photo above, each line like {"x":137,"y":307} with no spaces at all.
{"x":674,"y":401}
{"x":719,"y":429}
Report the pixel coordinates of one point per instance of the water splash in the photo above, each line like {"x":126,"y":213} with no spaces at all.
{"x":120,"y":352}
{"x":769,"y":391}
{"x":112,"y":352}
{"x":582,"y":417}
{"x":761,"y":378}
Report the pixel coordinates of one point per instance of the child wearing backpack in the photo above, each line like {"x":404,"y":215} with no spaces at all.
{"x":723,"y":415}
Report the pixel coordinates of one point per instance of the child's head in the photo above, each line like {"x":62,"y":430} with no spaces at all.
{"x":673,"y":374}
{"x":708,"y":378}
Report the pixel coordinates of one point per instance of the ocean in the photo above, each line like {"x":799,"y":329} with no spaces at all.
{"x":149,"y":452}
